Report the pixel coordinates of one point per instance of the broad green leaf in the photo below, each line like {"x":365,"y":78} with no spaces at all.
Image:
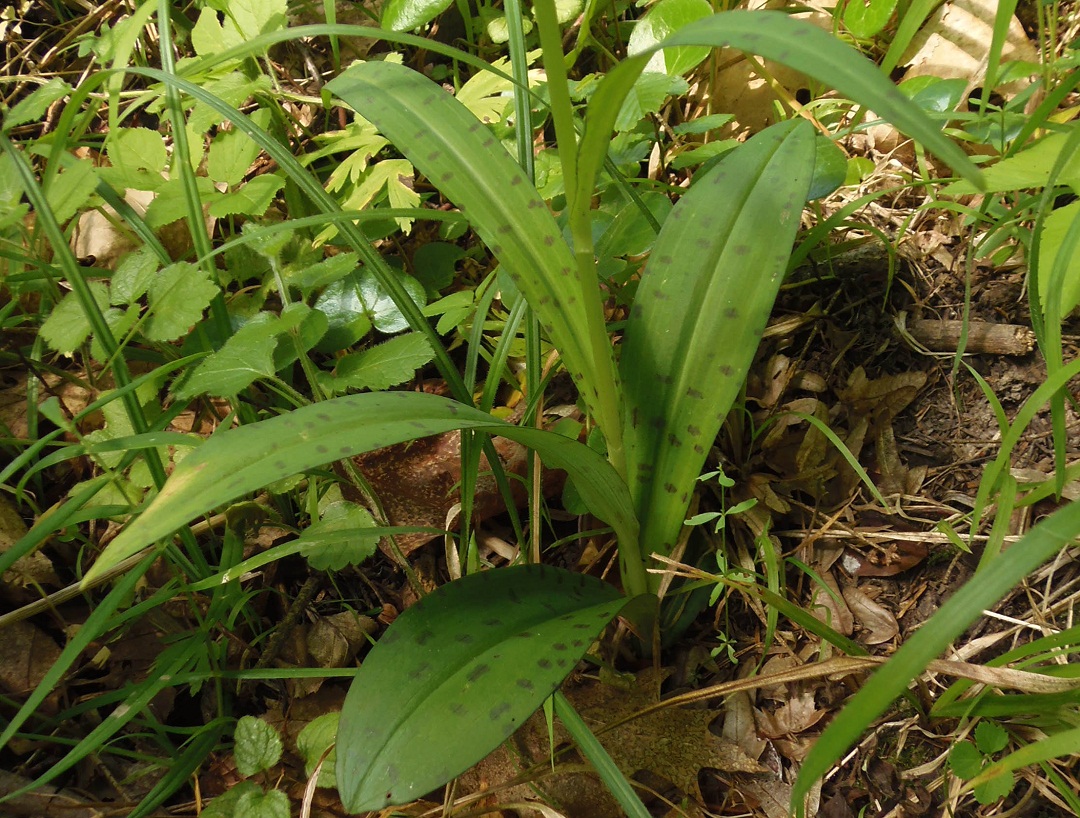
{"x":646,"y":97}
{"x":384,"y":365}
{"x":659,"y":22}
{"x":232,"y":463}
{"x":380,"y":307}
{"x":435,"y":264}
{"x":458,"y":673}
{"x":702,"y":304}
{"x":965,"y":760}
{"x":67,"y":325}
{"x":132,"y":153}
{"x":466,"y":162}
{"x":1055,"y":231}
{"x":134,"y":275}
{"x":33,"y":107}
{"x":992,"y":582}
{"x":258,"y":804}
{"x":990,"y":738}
{"x":170,"y":205}
{"x":313,"y":742}
{"x":224,"y":805}
{"x":245,"y":356}
{"x":405,"y":15}
{"x":232,"y":153}
{"x":347,"y":320}
{"x":71,"y":189}
{"x":324,"y":272}
{"x":1029,"y":168}
{"x":257,"y":746}
{"x":178,"y":296}
{"x":866,"y":18}
{"x":333,"y":553}
{"x":251,"y":199}
{"x":830,"y":168}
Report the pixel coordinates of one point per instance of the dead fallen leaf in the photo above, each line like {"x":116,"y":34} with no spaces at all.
{"x":880,"y":623}
{"x":28,"y":654}
{"x":672,"y":743}
{"x":31,"y":570}
{"x":830,"y":607}
{"x":895,"y":558}
{"x":417,"y":483}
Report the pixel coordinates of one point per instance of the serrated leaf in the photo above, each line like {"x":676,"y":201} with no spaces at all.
{"x":251,"y":199}
{"x":393,"y":176}
{"x":169,"y":204}
{"x":257,"y":746}
{"x":384,"y":365}
{"x":36,"y":103}
{"x":259,"y":804}
{"x":405,"y":15}
{"x":232,"y":463}
{"x":224,"y":805}
{"x":232,"y":152}
{"x":646,"y":97}
{"x":67,"y":325}
{"x":71,"y":189}
{"x":458,"y":673}
{"x":333,"y":553}
{"x":990,"y":737}
{"x":965,"y":760}
{"x":244,"y":357}
{"x":702,"y":303}
{"x":322,"y":273}
{"x":178,"y":296}
{"x":132,"y":151}
{"x":994,"y":789}
{"x":134,"y":275}
{"x":313,"y":742}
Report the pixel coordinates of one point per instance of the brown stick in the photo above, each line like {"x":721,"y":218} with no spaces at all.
{"x":982,"y":337}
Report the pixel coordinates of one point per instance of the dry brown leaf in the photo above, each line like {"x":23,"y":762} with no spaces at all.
{"x":416,"y":483}
{"x":894,"y":559}
{"x":673,"y":743}
{"x":334,"y":641}
{"x":30,"y":570}
{"x":28,"y":654}
{"x":880,"y":623}
{"x":796,"y":715}
{"x":830,"y":608}
{"x":882,"y":398}
{"x":739,"y":724}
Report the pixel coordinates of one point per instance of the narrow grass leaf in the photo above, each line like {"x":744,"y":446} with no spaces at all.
{"x":235,"y":462}
{"x":963,"y":608}
{"x":458,"y":673}
{"x":702,"y":304}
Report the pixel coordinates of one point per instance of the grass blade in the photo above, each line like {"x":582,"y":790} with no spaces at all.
{"x":997,"y":579}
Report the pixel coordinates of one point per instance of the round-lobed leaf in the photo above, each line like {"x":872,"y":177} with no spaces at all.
{"x":457,"y":673}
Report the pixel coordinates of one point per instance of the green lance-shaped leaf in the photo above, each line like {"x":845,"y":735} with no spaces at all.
{"x":232,"y":463}
{"x":457,"y":152}
{"x":794,"y":43}
{"x":457,"y":673}
{"x":699,"y":312}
